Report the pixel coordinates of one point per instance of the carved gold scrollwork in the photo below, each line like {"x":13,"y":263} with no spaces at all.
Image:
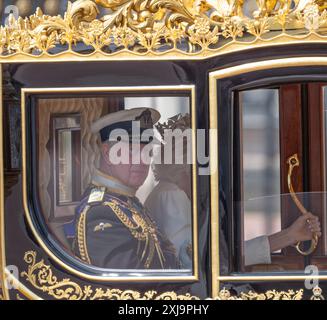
{"x":274,"y":295}
{"x":269,"y":295}
{"x":41,"y":277}
{"x":317,"y":294}
{"x":158,"y":26}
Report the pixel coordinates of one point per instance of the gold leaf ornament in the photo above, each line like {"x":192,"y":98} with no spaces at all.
{"x":93,"y":35}
{"x":232,"y":27}
{"x":201,"y":35}
{"x":41,"y":277}
{"x":82,"y":11}
{"x":312,"y":17}
{"x":225,"y":294}
{"x":155,"y":27}
{"x":124,"y":37}
{"x":225,"y":8}
{"x":273,"y":295}
{"x":174,"y":34}
{"x":258,"y":27}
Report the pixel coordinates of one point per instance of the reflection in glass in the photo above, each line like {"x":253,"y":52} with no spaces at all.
{"x":65,"y":166}
{"x":68,"y":145}
{"x":261,"y":164}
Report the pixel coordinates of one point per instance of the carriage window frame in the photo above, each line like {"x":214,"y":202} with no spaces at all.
{"x":38,"y":227}
{"x":222,"y":84}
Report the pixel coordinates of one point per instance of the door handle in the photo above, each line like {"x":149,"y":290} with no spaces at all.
{"x":293,"y":162}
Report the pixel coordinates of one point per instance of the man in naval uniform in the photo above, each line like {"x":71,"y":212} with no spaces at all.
{"x":112,"y":228}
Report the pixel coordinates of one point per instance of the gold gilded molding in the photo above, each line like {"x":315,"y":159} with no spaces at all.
{"x":317,"y":294}
{"x":41,"y":277}
{"x":160,"y":28}
{"x":225,"y":294}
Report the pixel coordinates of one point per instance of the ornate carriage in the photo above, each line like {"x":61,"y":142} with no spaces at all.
{"x":252,"y":75}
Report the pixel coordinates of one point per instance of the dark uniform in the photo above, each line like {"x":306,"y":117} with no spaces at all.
{"x":114,"y":231}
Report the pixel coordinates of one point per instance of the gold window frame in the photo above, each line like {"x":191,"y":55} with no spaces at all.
{"x":120,"y":279}
{"x":214,"y":78}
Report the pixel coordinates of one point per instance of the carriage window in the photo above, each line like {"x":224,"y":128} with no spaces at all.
{"x":261,"y":165}
{"x":106,"y":191}
{"x":281,"y":185}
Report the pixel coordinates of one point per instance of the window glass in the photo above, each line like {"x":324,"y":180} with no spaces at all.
{"x":106,"y":191}
{"x":261,"y":162}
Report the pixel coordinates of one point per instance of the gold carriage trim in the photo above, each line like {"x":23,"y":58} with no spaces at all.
{"x":41,"y":277}
{"x":81,"y":236}
{"x":164,"y":29}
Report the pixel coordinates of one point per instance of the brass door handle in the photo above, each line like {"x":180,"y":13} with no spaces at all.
{"x":293,"y":162}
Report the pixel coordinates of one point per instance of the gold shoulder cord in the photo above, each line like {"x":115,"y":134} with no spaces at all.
{"x":81,"y":236}
{"x":141,"y":230}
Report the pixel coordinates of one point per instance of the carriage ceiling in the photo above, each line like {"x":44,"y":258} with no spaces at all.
{"x":160,"y":29}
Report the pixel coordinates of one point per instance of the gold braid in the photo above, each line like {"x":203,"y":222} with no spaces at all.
{"x":141,"y":230}
{"x":81,"y":236}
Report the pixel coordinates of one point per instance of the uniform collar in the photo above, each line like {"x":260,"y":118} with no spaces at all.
{"x":112,"y":184}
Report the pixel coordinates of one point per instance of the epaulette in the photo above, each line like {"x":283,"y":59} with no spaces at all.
{"x":96,"y":195}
